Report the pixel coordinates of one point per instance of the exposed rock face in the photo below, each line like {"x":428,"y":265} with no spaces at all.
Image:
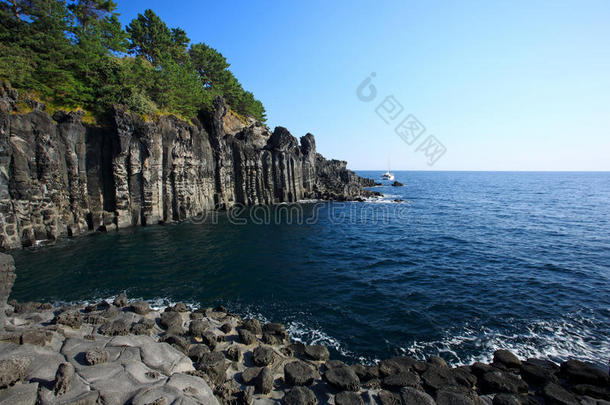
{"x":7,"y":279}
{"x":60,"y":178}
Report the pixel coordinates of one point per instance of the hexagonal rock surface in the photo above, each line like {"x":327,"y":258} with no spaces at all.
{"x":343,"y":377}
{"x":300,"y":396}
{"x":299,"y":373}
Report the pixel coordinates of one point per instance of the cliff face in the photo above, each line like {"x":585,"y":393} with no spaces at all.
{"x":60,"y":178}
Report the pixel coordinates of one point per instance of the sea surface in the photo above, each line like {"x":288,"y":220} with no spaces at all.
{"x":466,"y":263}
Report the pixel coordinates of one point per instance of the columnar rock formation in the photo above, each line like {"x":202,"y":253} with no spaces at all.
{"x":60,"y":177}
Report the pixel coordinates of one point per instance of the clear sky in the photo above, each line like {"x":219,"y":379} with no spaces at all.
{"x":503,"y":85}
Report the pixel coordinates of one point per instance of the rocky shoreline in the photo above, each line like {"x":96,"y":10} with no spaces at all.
{"x":61,"y":176}
{"x":124,"y":352}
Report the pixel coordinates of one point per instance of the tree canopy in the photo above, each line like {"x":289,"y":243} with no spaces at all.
{"x":75,"y":53}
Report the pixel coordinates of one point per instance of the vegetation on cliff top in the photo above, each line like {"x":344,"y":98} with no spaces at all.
{"x":76,"y":54}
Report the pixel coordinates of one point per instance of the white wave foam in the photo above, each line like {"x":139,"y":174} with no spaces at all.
{"x":570,"y":337}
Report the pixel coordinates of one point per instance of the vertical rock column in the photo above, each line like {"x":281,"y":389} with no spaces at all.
{"x":7,"y":279}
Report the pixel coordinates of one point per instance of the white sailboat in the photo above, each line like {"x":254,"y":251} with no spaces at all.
{"x":388,"y":175}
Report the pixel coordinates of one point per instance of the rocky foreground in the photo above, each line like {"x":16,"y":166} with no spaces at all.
{"x":127,"y":353}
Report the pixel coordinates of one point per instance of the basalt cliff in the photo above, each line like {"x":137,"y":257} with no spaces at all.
{"x":60,"y":177}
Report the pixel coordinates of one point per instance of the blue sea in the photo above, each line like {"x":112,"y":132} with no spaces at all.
{"x":462,"y":263}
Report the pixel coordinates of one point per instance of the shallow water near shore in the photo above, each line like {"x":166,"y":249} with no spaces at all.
{"x":468,"y":262}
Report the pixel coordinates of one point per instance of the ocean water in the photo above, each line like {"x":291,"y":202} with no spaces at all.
{"x":466,"y":263}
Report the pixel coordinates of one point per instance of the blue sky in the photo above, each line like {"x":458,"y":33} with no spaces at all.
{"x":502,"y":85}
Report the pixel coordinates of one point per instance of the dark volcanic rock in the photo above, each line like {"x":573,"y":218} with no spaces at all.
{"x":499,"y":381}
{"x":299,"y":373}
{"x":140,"y":307}
{"x":413,"y":396}
{"x":300,"y":396}
{"x":403,"y":379}
{"x":246,"y":337}
{"x":348,"y":398}
{"x":7,"y":279}
{"x":578,"y":372}
{"x":554,"y":394}
{"x":262,"y":356}
{"x":170,"y":320}
{"x":538,"y":372}
{"x":342,"y":377}
{"x":507,"y":359}
{"x":120,"y":301}
{"x":63,"y":378}
{"x":507,"y":399}
{"x":397,"y":184}
{"x":13,"y":370}
{"x":120,"y":327}
{"x":73,"y":319}
{"x":452,"y":396}
{"x":249,"y":374}
{"x":253,"y":325}
{"x":317,"y":352}
{"x":436,"y":377}
{"x":96,"y":356}
{"x":264,"y":381}
{"x":63,"y":178}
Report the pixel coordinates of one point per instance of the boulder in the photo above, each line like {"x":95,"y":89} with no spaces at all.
{"x":120,"y":301}
{"x":388,"y":398}
{"x":246,"y":337}
{"x":276,"y":329}
{"x":578,"y":372}
{"x":403,"y":379}
{"x":317,"y":352}
{"x":63,"y":378}
{"x":234,"y":353}
{"x":507,"y":399}
{"x":348,"y":398}
{"x":437,"y":361}
{"x":249,"y":374}
{"x":452,"y":396}
{"x":262,"y":356}
{"x":96,"y":355}
{"x":13,"y":370}
{"x":198,"y":328}
{"x":397,"y":184}
{"x":226,"y":328}
{"x":300,"y":396}
{"x":197,"y":351}
{"x":342,"y":377}
{"x":507,"y":359}
{"x":436,"y":377}
{"x":253,"y":325}
{"x":170,"y":319}
{"x":264,"y":381}
{"x":554,"y":394}
{"x":73,"y":319}
{"x":299,"y":373}
{"x":119,"y":327}
{"x":413,"y":396}
{"x":140,"y":307}
{"x":538,"y":372}
{"x":502,"y":382}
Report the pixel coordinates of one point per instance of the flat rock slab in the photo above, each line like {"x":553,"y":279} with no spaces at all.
{"x":20,"y":394}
